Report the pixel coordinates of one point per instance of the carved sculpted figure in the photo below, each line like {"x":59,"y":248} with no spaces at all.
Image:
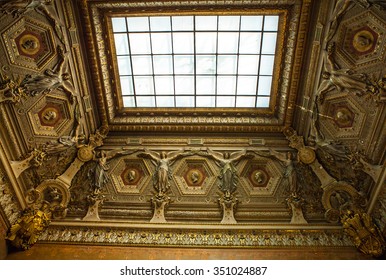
{"x":227,"y":161}
{"x":100,"y":173}
{"x":51,"y":80}
{"x":290,"y":172}
{"x":340,"y":79}
{"x":163,"y":161}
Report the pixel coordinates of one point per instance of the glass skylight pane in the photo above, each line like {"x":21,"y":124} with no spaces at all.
{"x":181,"y":23}
{"x":271,"y":23}
{"x":184,"y":85}
{"x":229,"y":23}
{"x":195,"y":61}
{"x":165,"y":101}
{"x":184,"y":64}
{"x":164,"y":85}
{"x":227,"y":64}
{"x":119,"y":24}
{"x":183,"y":43}
{"x":269,"y":43}
{"x":161,"y":43}
{"x":248,"y":64}
{"x":206,"y":42}
{"x":205,"y":101}
{"x":140,"y":43}
{"x":245,"y":101}
{"x":254,"y":23}
{"x":128,"y":101}
{"x":262,"y":102}
{"x":228,"y":42}
{"x":127,"y":85}
{"x":206,"y":22}
{"x":184,"y":101}
{"x":205,"y":64}
{"x":145,"y":101}
{"x":142,"y":65}
{"x":138,"y":24}
{"x":246,"y":85}
{"x":250,"y":42}
{"x":160,"y":24}
{"x":225,"y":101}
{"x":205,"y":84}
{"x":121,"y":44}
{"x":264,"y":87}
{"x":266,"y":67}
{"x":144,"y":85}
{"x":163,"y":64}
{"x":226,"y":85}
{"x":124,"y":66}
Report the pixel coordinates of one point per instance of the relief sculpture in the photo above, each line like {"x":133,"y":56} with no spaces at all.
{"x":56,"y":78}
{"x":161,"y":178}
{"x":229,"y":180}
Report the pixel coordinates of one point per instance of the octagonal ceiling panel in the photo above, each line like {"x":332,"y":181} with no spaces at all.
{"x":260,"y":177}
{"x":50,"y":116}
{"x":194,"y":176}
{"x":345,"y":116}
{"x":29,"y":44}
{"x":362,"y":40}
{"x":130,"y":176}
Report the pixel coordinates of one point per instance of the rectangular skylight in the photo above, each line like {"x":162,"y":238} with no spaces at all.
{"x":196,"y":61}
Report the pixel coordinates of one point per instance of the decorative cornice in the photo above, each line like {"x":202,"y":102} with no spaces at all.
{"x":251,"y":238}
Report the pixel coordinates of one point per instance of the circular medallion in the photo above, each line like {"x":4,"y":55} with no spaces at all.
{"x":49,"y":116}
{"x":306,"y":155}
{"x":194,"y":177}
{"x":29,"y":44}
{"x":85,"y":153}
{"x":363,"y":41}
{"x":131,"y":176}
{"x":343,"y":117}
{"x":259,"y":177}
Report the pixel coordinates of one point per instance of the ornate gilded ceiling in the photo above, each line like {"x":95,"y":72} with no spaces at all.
{"x":309,"y":171}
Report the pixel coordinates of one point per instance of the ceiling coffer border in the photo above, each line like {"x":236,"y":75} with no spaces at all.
{"x":297,"y":13}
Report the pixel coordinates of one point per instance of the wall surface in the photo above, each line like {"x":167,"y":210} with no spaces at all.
{"x":3,"y":233}
{"x":71,"y":252}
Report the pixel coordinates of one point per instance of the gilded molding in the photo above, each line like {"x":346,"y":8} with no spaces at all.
{"x":7,"y":200}
{"x":197,"y":238}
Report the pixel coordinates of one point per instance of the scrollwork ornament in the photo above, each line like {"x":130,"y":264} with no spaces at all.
{"x":32,"y":196}
{"x":34,"y":159}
